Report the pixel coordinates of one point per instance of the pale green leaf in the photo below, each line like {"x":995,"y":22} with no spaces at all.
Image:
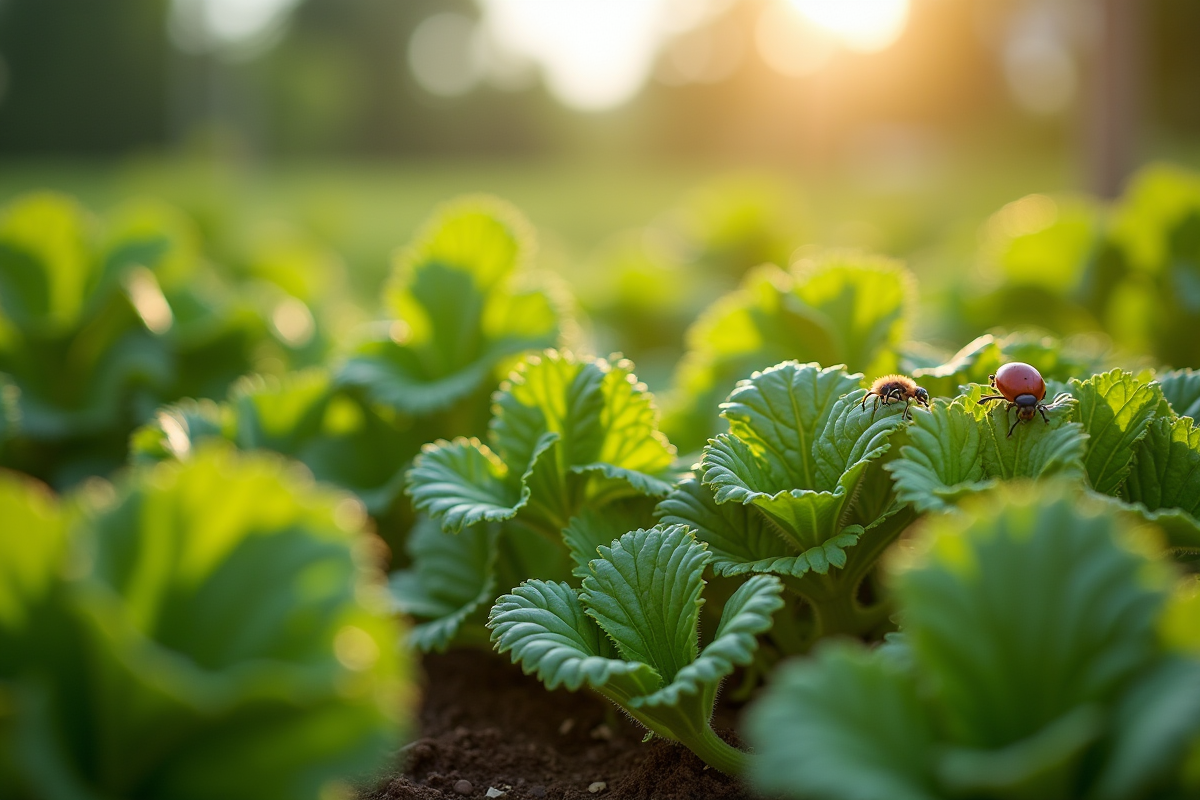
{"x":459,"y":311}
{"x":644,"y":591}
{"x":747,"y":614}
{"x":845,"y":725}
{"x":1154,"y":724}
{"x":1004,"y":663}
{"x":462,"y":483}
{"x":452,"y":579}
{"x":1182,"y":390}
{"x":46,"y":267}
{"x":545,"y":628}
{"x":943,"y":459}
{"x":1115,"y":409}
{"x":605,"y":420}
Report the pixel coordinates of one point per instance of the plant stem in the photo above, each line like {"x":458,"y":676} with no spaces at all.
{"x":716,"y":752}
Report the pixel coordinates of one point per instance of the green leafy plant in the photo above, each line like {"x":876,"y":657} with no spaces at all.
{"x":341,"y":437}
{"x":464,"y":305}
{"x":630,"y":634}
{"x":214,"y":630}
{"x":796,"y":489}
{"x":102,"y":322}
{"x":1117,"y":434}
{"x":570,"y":435}
{"x":1061,"y":688}
{"x":839,"y":308}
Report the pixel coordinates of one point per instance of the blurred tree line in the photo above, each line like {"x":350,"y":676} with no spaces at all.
{"x":81,"y":77}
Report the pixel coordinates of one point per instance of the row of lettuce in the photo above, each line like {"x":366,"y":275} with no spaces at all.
{"x":555,"y":521}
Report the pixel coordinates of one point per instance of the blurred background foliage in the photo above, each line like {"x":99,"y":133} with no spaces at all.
{"x":1029,"y":162}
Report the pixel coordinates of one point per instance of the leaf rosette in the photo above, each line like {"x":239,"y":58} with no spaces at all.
{"x":573,"y":448}
{"x":795,"y":487}
{"x":630,"y":634}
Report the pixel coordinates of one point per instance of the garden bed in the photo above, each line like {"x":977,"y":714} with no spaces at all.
{"x":484,"y":722}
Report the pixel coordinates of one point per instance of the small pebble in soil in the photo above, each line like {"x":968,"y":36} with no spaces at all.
{"x":602,"y":732}
{"x":567,"y":725}
{"x":494,"y":792}
{"x":537,"y":790}
{"x":597,"y":786}
{"x":463,"y":787}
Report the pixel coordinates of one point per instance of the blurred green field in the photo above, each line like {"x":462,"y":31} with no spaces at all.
{"x":364,"y":210}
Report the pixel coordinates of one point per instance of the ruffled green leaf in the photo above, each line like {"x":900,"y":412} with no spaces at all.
{"x":943,"y":460}
{"x":747,"y":614}
{"x":838,"y":309}
{"x":463,"y":483}
{"x":459,"y":310}
{"x":632,"y":629}
{"x":741,"y":539}
{"x":32,"y":553}
{"x":452,"y":580}
{"x":545,"y":628}
{"x":644,"y":592}
{"x":1181,"y":388}
{"x":1004,"y":665}
{"x":846,"y":725}
{"x":605,"y":420}
{"x":1115,"y":409}
{"x":797,"y":449}
{"x":1036,"y":449}
{"x":1165,"y":479}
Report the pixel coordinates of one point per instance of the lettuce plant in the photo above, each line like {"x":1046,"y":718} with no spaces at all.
{"x":1031,"y":664}
{"x":464,"y":305}
{"x":341,"y":437}
{"x":1117,"y":434}
{"x":102,"y":321}
{"x":214,"y":629}
{"x":796,"y":489}
{"x":571,"y":438}
{"x":630,"y":633}
{"x":840,"y":308}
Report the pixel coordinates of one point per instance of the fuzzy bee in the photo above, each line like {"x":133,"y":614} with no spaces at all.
{"x":894,"y":388}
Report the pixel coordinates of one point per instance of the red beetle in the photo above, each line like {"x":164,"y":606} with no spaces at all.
{"x":1024,"y":389}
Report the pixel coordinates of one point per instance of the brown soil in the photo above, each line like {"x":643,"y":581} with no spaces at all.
{"x":484,"y":722}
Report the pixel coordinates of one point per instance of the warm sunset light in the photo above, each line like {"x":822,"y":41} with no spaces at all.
{"x":864,"y":25}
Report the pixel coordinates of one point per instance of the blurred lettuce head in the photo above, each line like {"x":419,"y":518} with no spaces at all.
{"x":214,"y":628}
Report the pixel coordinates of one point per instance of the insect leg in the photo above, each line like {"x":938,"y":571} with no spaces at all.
{"x":988,"y":397}
{"x":1042,"y":409}
{"x":1014,"y":425}
{"x":907,"y":412}
{"x":864,"y":402}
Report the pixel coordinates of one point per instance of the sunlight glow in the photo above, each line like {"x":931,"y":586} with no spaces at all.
{"x":593,"y":54}
{"x":864,"y":25}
